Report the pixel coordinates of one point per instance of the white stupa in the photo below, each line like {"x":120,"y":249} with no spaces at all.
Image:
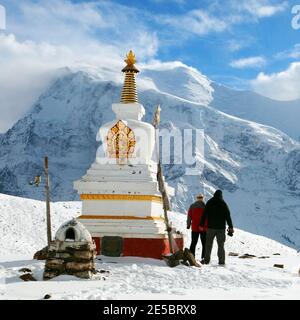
{"x":121,"y":203}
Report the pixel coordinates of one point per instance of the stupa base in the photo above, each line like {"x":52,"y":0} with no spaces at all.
{"x":154,"y":248}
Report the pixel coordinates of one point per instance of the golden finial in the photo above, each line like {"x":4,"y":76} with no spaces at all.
{"x":129,"y":92}
{"x":130,"y":58}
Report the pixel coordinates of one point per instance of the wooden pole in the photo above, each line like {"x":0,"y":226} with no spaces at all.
{"x":161,"y":182}
{"x":47,"y":189}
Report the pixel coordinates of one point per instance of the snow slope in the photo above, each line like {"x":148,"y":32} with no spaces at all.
{"x":23,"y":223}
{"x":282,"y":115}
{"x":139,"y":278}
{"x":258,"y":167}
{"x":181,"y":81}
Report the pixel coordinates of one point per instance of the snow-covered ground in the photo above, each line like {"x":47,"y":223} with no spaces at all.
{"x":22,"y":232}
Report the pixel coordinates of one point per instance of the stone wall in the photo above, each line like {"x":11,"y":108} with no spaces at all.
{"x":70,"y":257}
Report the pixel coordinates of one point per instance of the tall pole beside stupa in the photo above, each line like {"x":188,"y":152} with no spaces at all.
{"x":160,"y":179}
{"x":47,"y":189}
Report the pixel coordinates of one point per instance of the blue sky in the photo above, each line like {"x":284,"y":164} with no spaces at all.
{"x":213,"y":50}
{"x":240,"y":43}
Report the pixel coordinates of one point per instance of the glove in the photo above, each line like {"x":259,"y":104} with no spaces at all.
{"x":201,"y":229}
{"x":188,"y":226}
{"x":230,"y":232}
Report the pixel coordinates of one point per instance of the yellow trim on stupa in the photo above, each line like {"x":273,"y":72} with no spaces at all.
{"x":129,"y":92}
{"x":130,"y":197}
{"x":119,"y":217}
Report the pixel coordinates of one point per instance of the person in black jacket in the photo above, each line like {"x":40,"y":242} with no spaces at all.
{"x":217,"y":214}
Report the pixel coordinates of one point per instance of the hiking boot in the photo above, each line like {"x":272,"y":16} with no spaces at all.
{"x":203,"y":261}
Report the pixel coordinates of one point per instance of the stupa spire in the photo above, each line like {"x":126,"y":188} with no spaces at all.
{"x":129,"y":92}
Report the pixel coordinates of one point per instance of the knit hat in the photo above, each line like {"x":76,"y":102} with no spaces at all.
{"x":218,"y":194}
{"x":200,"y":196}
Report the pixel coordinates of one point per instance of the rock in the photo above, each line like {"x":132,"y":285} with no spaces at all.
{"x":83,"y":255}
{"x":173,"y":260}
{"x":79,"y":266}
{"x":49,"y":274}
{"x":60,"y":255}
{"x":276,"y":254}
{"x":87,"y":274}
{"x":233,"y":254}
{"x":281,"y":266}
{"x":102,"y":271}
{"x":27,"y":277}
{"x":41,"y":254}
{"x":70,"y":257}
{"x":247,"y":256}
{"x":47,"y":296}
{"x":264,"y":257}
{"x":56,"y":264}
{"x":71,"y":247}
{"x":25,"y":270}
{"x":188,"y":256}
{"x":299,"y":272}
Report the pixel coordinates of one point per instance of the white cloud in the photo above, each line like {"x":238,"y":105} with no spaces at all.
{"x":63,"y":33}
{"x":237,"y":44}
{"x":77,"y":24}
{"x":198,"y":22}
{"x":280,"y":86}
{"x":219,"y":16}
{"x":293,"y":53}
{"x":261,"y":8}
{"x":250,"y":62}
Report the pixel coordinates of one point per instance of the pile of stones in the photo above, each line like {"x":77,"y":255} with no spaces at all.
{"x":72,"y":252}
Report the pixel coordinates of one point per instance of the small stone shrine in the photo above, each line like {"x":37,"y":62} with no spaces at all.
{"x":72,"y":252}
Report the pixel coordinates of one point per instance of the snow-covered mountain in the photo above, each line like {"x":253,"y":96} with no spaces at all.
{"x":283,"y":115}
{"x":188,"y":83}
{"x":257,"y":166}
{"x":180,"y":81}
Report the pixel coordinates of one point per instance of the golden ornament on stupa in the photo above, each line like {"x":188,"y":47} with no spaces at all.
{"x":129,"y":92}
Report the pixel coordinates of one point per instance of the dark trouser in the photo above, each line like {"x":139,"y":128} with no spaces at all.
{"x":210,"y":235}
{"x":195,"y":237}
